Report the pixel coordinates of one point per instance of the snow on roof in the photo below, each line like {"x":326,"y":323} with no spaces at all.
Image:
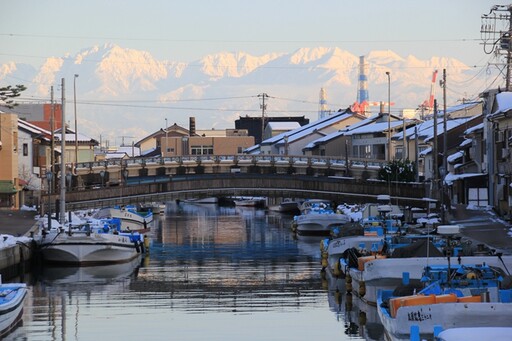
{"x":450,"y":177}
{"x":308,"y":131}
{"x":308,"y":128}
{"x":32,"y":128}
{"x":450,"y":124}
{"x":373,"y":128}
{"x":473,"y":129}
{"x":455,"y":156}
{"x":71,"y":137}
{"x":462,"y":106}
{"x":504,"y":101}
{"x":115,"y":155}
{"x":283,"y":125}
{"x":129,"y":150}
{"x":466,"y":142}
{"x":426,"y":151}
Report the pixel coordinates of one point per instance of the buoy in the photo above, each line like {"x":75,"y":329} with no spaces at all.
{"x":337,"y":296}
{"x":362,"y":318}
{"x":337,"y":269}
{"x":348,"y":302}
{"x":362,"y":289}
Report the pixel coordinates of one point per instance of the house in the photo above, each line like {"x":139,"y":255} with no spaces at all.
{"x":498,"y":130}
{"x":177,"y":141}
{"x":293,"y":142}
{"x":9,"y":179}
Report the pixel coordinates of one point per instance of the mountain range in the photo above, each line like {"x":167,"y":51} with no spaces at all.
{"x":126,"y":94}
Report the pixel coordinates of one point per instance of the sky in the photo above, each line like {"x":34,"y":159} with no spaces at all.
{"x":33,"y":30}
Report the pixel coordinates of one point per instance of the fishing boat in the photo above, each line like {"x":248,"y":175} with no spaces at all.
{"x":131,"y":218}
{"x":368,"y":273}
{"x":249,"y":201}
{"x":454,"y":296}
{"x":208,"y":200}
{"x":289,"y":206}
{"x":89,"y":244}
{"x":319,"y":219}
{"x":475,"y":334}
{"x":12,"y":296}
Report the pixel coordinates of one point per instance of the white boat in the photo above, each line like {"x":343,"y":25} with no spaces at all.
{"x":249,"y":201}
{"x":208,"y":200}
{"x":86,"y":245}
{"x":12,"y":296}
{"x":388,"y":273}
{"x":475,"y":334}
{"x":131,"y":218}
{"x":289,"y":205}
{"x":464,"y":296}
{"x":318,"y":220}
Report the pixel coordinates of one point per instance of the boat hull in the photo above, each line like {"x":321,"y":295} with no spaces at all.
{"x":88,"y":249}
{"x":446,"y":315}
{"x":11,"y":306}
{"x":313,"y":224}
{"x":387,"y":273}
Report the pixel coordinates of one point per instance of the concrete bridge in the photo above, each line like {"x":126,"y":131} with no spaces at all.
{"x":138,"y":180}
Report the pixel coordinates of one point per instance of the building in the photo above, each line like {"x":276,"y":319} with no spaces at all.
{"x":254,"y":127}
{"x":178,"y":141}
{"x":9,"y":177}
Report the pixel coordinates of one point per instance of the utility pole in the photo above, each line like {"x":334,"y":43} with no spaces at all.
{"x":445,"y":146}
{"x":52,"y":143}
{"x":62,"y":218}
{"x":434,"y":152}
{"x":263,"y":107}
{"x":498,"y":41}
{"x":76,"y":127}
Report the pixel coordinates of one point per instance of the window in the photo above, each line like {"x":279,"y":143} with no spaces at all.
{"x":25,"y":149}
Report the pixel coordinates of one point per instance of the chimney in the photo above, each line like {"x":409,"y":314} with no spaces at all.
{"x":192,"y":126}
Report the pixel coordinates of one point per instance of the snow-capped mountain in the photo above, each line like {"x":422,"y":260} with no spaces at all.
{"x":126,"y":92}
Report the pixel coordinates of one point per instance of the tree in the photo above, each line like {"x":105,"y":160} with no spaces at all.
{"x":398,"y":170}
{"x":9,"y":92}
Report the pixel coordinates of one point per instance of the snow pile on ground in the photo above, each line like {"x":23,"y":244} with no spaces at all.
{"x":7,"y":240}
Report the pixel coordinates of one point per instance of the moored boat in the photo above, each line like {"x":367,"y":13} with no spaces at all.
{"x":455,"y":296}
{"x":88,"y":244}
{"x":12,"y":296}
{"x":131,"y":218}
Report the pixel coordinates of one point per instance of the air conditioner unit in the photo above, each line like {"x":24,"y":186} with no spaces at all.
{"x":504,"y":153}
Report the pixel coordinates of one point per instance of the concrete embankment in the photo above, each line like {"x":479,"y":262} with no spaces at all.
{"x":16,"y":257}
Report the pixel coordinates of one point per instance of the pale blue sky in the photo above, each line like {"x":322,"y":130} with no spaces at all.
{"x":32,"y":30}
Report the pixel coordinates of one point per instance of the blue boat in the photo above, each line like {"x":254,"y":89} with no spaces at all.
{"x":12,"y":296}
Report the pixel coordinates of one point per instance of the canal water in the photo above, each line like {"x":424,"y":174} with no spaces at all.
{"x":212,"y":273}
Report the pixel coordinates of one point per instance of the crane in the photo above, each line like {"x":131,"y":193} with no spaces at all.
{"x":428,"y":105}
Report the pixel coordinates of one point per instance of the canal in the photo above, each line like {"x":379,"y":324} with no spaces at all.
{"x":218,"y":273}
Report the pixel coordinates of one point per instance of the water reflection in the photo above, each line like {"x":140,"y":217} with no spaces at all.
{"x":225,"y":273}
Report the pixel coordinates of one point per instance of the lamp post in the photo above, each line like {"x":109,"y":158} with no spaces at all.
{"x":389,"y":115}
{"x":49,"y":176}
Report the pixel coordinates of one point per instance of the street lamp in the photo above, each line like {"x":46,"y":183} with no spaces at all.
{"x":389,"y":115}
{"x":102,"y":175}
{"x":49,"y":176}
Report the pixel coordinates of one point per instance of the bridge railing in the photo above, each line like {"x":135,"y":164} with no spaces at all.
{"x":292,"y":160}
